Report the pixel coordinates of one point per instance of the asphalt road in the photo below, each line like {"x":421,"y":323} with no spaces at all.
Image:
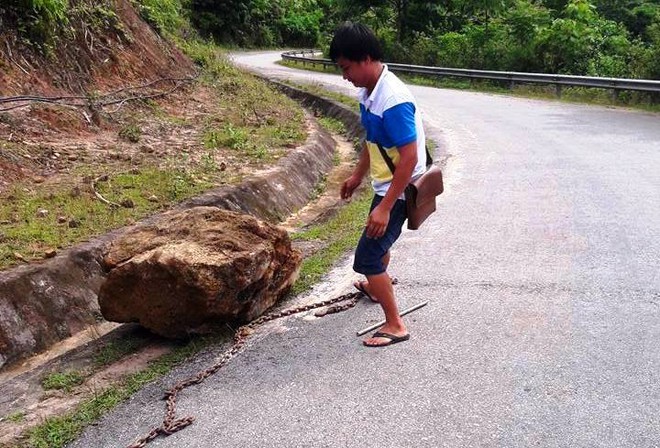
{"x":542,"y":267}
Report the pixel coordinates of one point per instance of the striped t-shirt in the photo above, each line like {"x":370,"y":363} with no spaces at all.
{"x":391,"y":118}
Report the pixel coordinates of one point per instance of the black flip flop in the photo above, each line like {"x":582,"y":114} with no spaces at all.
{"x":393,"y":339}
{"x":360,"y":288}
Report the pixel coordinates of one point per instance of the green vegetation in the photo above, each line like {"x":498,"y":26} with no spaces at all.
{"x":46,"y":24}
{"x":580,"y":37}
{"x":319,"y":90}
{"x":257,"y":122}
{"x":336,"y":127}
{"x":598,"y":38}
{"x":333,"y":125}
{"x":15,"y":417}
{"x":56,"y":432}
{"x":262,"y":23}
{"x":253,"y":142}
{"x":43,"y":23}
{"x":36,"y":220}
{"x":336,"y":236}
{"x":116,"y":350}
{"x":64,"y":381}
{"x":166,"y":16}
{"x":130,"y":133}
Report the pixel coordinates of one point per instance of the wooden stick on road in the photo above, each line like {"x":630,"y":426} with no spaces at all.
{"x":403,"y":313}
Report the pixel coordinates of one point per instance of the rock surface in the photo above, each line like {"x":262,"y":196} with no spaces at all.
{"x":197,"y":268}
{"x":43,"y":303}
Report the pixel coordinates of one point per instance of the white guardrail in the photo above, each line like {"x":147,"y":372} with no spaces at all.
{"x":642,"y":85}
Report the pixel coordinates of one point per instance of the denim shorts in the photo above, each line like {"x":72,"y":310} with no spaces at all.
{"x":370,"y":251}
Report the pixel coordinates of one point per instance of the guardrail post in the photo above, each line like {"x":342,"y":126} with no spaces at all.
{"x":558,"y":90}
{"x":615,"y":94}
{"x":512,"y":84}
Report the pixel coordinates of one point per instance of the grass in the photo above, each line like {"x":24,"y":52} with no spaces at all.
{"x":130,"y":133}
{"x":337,"y":236}
{"x":332,"y":125}
{"x":116,"y":350}
{"x":14,"y":417}
{"x":601,"y":97}
{"x":318,"y":89}
{"x":336,"y":158}
{"x":64,"y":381}
{"x":56,"y":432}
{"x":36,"y":220}
{"x":252,"y":143}
{"x":336,"y":127}
{"x":253,"y":112}
{"x":319,"y":188}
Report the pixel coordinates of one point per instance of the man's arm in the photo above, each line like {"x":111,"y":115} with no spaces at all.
{"x":380,"y":216}
{"x":361,"y":169}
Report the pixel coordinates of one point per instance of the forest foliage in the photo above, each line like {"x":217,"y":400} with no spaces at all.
{"x":613,"y":38}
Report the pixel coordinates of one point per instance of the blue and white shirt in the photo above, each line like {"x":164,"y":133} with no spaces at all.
{"x":391,"y":118}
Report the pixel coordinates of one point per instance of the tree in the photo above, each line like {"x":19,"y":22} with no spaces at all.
{"x":581,"y":42}
{"x":399,"y":9}
{"x":260,"y":22}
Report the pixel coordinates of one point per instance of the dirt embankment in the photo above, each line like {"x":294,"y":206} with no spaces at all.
{"x":116,"y":123}
{"x":107,"y":48}
{"x":110,"y":46}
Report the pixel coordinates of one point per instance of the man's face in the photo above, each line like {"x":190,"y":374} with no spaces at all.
{"x":354,"y":71}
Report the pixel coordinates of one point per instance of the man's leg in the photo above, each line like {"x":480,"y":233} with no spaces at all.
{"x":381,"y":287}
{"x":372,"y":256}
{"x":386,"y":260}
{"x":365,"y":285}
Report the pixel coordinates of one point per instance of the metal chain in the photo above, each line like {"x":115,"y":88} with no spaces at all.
{"x":171,"y":424}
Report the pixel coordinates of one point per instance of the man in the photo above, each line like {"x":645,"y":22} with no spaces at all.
{"x":390,"y":117}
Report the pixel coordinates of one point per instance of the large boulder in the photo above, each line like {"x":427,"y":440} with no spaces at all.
{"x":197,"y":268}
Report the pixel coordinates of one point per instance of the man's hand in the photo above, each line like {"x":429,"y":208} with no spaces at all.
{"x":349,"y":186}
{"x":377,"y":222}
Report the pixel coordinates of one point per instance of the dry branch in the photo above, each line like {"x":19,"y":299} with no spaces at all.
{"x":99,"y":195}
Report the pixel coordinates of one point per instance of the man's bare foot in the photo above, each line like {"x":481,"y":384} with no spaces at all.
{"x":387,"y":336}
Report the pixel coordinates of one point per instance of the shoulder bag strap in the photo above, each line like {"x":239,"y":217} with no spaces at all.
{"x":390,"y":164}
{"x":429,"y":159}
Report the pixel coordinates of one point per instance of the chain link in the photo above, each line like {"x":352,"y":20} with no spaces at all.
{"x":171,"y":424}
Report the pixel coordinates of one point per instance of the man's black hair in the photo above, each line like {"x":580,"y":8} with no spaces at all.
{"x":355,"y":42}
